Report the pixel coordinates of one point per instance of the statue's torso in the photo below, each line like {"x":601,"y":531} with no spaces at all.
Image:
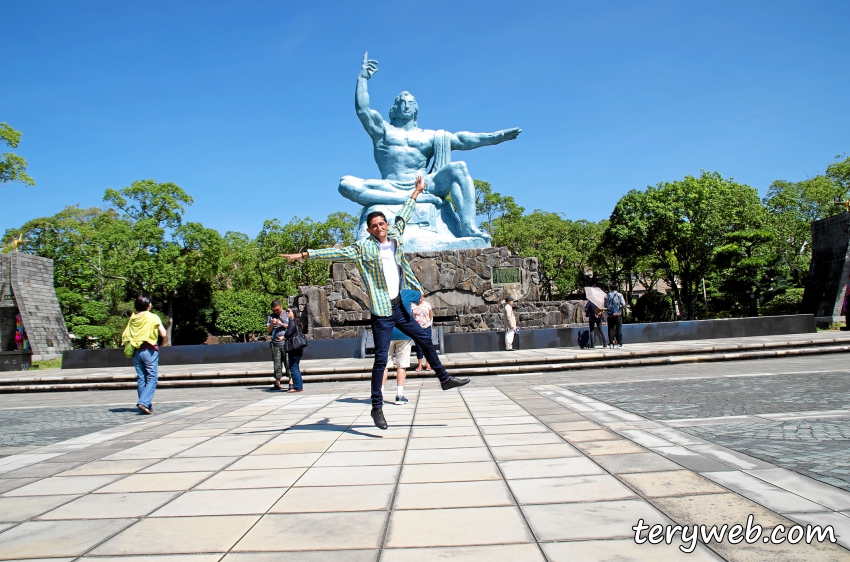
{"x":402,"y":154}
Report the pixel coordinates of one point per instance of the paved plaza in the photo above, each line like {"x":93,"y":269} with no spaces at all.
{"x":554,"y":466}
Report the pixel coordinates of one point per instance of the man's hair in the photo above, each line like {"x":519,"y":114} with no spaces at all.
{"x":275,"y":303}
{"x":415,"y":106}
{"x":372,"y":215}
{"x":614,"y":286}
{"x":509,"y":299}
{"x":142,"y":303}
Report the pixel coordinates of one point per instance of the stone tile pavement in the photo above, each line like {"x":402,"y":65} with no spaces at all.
{"x":485,"y":473}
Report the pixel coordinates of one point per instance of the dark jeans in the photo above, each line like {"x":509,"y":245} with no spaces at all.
{"x":295,"y":370}
{"x":420,"y":355}
{"x":596,"y":323}
{"x":281,"y":361}
{"x":615,"y":329}
{"x":382,"y":331}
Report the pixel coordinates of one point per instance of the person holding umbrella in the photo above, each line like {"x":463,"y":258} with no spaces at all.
{"x":594,"y":310}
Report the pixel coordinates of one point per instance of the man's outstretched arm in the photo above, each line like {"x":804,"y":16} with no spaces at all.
{"x":371,"y":119}
{"x":407,"y":209}
{"x":347,"y":254}
{"x":468,"y":141}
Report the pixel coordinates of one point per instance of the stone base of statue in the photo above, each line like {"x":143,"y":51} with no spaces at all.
{"x":827,"y":280}
{"x":431,"y":229}
{"x":466,"y":288}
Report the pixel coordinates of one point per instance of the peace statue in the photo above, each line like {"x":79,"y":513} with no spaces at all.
{"x":403,"y":151}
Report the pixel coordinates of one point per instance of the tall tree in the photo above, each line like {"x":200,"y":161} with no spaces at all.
{"x":13,"y":168}
{"x":490,"y":205}
{"x":679,"y":224}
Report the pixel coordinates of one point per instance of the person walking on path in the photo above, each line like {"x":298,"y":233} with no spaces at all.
{"x":386,"y":272}
{"x":400,"y":353}
{"x":276,"y":325}
{"x":594,"y":318}
{"x":294,"y":355}
{"x":615,"y":304}
{"x":510,"y":324}
{"x":143,"y":332}
{"x":424,"y":316}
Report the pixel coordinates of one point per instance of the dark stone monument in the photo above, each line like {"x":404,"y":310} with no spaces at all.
{"x":26,"y":289}
{"x":824,"y":294}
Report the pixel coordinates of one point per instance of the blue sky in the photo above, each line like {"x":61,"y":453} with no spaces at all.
{"x":249,"y":105}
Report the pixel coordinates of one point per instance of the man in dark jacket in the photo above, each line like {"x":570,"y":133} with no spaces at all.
{"x":594,"y":318}
{"x":276,"y":325}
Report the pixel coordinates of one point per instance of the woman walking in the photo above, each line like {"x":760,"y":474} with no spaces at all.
{"x":294,"y":327}
{"x":424,"y":316}
{"x":143,"y":332}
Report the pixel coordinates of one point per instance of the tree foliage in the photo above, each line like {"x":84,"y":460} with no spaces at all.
{"x":13,"y":168}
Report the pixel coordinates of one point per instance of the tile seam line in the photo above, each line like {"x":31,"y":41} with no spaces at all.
{"x":501,"y":473}
{"x":182,"y":492}
{"x":341,"y":433}
{"x":382,"y":546}
{"x":78,"y":496}
{"x":734,"y":469}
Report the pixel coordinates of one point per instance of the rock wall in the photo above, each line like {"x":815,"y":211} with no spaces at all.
{"x":26,"y":284}
{"x":460,"y":286}
{"x":824,"y":294}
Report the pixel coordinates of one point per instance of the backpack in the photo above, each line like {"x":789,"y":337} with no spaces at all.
{"x":614,"y":303}
{"x":584,"y":339}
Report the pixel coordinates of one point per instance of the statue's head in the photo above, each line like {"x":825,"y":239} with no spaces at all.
{"x":404,"y":108}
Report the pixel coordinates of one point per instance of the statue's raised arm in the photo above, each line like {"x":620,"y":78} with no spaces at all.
{"x":371,"y":119}
{"x":469,"y":141}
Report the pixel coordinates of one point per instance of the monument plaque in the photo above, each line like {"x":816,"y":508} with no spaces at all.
{"x":506,"y":276}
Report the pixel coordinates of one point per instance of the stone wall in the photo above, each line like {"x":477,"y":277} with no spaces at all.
{"x":26,"y":283}
{"x":824,"y":295}
{"x":459,"y":285}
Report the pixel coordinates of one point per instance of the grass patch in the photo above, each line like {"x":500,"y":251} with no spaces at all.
{"x":51,"y":364}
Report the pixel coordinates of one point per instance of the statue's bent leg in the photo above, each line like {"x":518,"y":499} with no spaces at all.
{"x":455,"y":179}
{"x":372,"y":192}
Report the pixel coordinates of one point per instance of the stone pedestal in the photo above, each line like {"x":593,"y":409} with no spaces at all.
{"x":466,"y":288}
{"x":26,"y":288}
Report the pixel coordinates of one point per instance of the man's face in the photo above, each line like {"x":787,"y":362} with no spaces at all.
{"x":277,"y":309}
{"x":405,"y":107}
{"x":378,"y":228}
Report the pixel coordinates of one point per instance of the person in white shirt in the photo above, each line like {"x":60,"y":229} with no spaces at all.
{"x":510,"y":324}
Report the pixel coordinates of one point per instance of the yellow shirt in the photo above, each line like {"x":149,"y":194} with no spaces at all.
{"x":141,"y":328}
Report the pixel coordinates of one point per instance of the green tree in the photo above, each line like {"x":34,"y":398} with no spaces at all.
{"x":490,"y":205}
{"x":240,"y":313}
{"x":679,"y":224}
{"x":13,"y":168}
{"x":747,"y":269}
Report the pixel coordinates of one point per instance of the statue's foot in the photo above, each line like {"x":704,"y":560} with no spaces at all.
{"x":475,"y":232}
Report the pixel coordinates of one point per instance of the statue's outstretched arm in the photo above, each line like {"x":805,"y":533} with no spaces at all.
{"x":371,"y":119}
{"x":467,"y":141}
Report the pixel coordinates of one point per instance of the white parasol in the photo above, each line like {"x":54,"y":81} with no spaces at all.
{"x":596,"y":296}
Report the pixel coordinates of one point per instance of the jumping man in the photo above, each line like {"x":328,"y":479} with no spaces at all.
{"x":385,"y":270}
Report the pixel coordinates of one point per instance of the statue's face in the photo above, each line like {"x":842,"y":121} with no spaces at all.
{"x":405,"y":107}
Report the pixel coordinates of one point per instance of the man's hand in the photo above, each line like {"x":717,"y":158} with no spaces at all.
{"x":509,"y":134}
{"x":295,"y":257}
{"x":419,"y":187}
{"x":369,"y":67}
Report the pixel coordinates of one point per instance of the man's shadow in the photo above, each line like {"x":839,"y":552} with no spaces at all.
{"x":322,"y":425}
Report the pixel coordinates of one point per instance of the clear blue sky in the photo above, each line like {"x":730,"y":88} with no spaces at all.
{"x":249,"y":105}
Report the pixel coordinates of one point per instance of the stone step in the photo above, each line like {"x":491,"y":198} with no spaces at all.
{"x":510,"y":365}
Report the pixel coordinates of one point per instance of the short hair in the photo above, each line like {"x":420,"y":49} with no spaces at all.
{"x":275,"y":303}
{"x":374,"y":214}
{"x":509,"y":299}
{"x":614,"y":286}
{"x":142,"y":303}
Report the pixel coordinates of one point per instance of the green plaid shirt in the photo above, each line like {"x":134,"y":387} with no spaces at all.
{"x":367,"y":255}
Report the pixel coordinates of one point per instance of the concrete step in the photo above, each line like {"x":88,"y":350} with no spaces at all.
{"x":501,"y":363}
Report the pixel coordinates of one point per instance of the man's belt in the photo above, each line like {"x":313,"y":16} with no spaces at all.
{"x":396,"y":300}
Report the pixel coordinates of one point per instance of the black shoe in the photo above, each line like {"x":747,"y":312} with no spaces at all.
{"x":378,"y":418}
{"x":453,"y":382}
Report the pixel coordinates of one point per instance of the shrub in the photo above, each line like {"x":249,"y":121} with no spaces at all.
{"x":653,"y":307}
{"x":786,"y":303}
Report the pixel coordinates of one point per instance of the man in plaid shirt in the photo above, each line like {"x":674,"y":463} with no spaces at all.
{"x":385,"y":271}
